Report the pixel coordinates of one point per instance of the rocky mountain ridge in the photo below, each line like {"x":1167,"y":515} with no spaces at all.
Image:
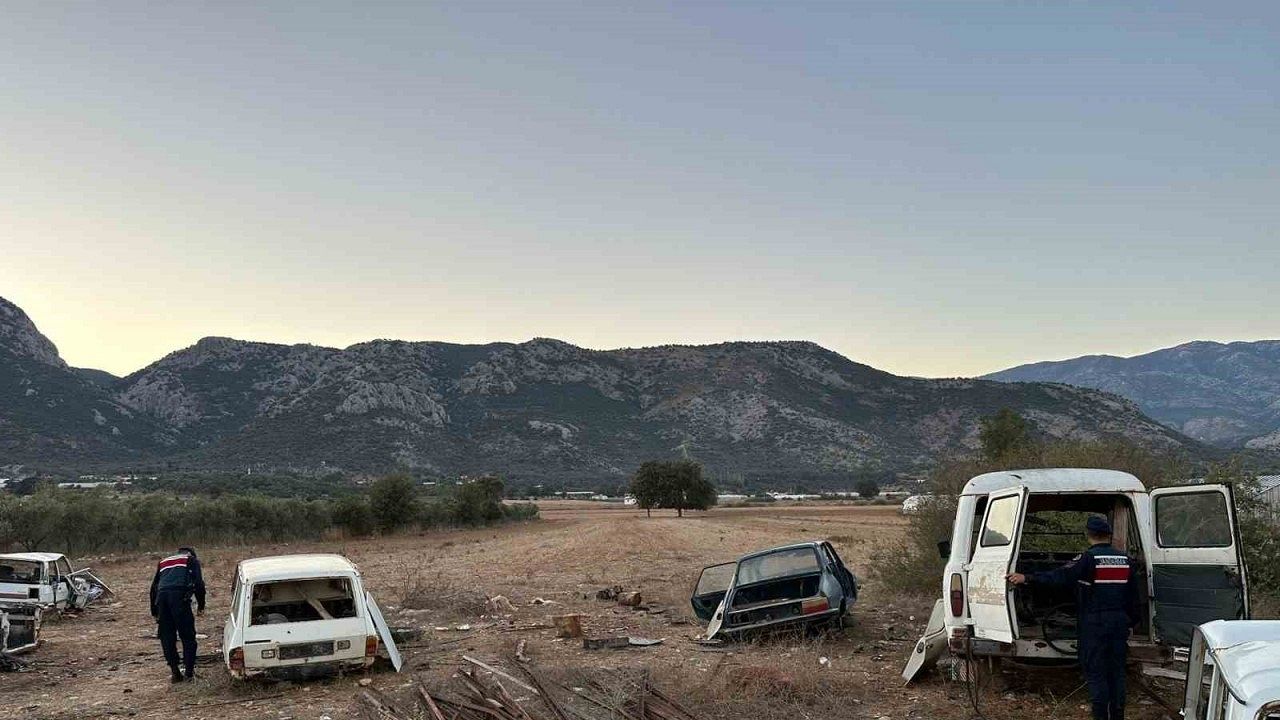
{"x":546,"y":408}
{"x":1227,"y":394}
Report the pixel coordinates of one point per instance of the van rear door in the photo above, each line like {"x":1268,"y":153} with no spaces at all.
{"x":1197,"y":570}
{"x":989,"y":595}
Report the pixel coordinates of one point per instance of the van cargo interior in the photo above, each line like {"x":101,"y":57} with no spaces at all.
{"x":1052,"y":536}
{"x":791,"y":588}
{"x":289,"y":601}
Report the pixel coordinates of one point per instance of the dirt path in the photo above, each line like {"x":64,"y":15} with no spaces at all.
{"x":105,"y":664}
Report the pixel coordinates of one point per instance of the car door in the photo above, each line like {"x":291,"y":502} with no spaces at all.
{"x":713,"y":584}
{"x":62,"y":590}
{"x":989,"y":594}
{"x":1197,"y":569}
{"x":848,"y":583}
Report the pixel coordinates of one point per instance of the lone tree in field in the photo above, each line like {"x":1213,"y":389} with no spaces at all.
{"x":679,"y":485}
{"x":393,"y":501}
{"x":867,"y":488}
{"x":1003,"y":434}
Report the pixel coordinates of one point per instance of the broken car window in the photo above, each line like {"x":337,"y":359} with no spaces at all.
{"x":715,"y":579}
{"x":783,"y":563}
{"x":1001,"y":521}
{"x":289,"y":601}
{"x":1193,"y":520}
{"x":20,"y":571}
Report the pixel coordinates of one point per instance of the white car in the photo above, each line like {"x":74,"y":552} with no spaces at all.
{"x":45,"y":580}
{"x":1184,"y":540}
{"x":302,"y":616}
{"x":1234,"y":671}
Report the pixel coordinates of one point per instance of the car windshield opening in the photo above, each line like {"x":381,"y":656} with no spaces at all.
{"x":19,"y":571}
{"x":290,"y":601}
{"x":784,"y":563}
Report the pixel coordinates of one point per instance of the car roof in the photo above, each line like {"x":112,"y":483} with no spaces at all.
{"x":1248,"y":654}
{"x":284,"y":567}
{"x":795,"y":546}
{"x":1055,"y":480}
{"x":33,"y":556}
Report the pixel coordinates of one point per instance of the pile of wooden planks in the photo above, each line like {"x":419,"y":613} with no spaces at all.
{"x":482,"y":694}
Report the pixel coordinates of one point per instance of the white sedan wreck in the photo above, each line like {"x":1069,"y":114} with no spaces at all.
{"x":302,"y":616}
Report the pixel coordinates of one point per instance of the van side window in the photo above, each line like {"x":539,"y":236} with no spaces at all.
{"x":235,"y":600}
{"x":1193,"y":520}
{"x":1001,"y":520}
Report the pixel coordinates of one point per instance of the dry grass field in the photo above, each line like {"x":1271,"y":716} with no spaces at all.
{"x":104,"y":664}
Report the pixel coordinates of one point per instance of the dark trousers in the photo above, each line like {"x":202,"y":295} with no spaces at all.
{"x":1103,"y":648}
{"x":176,"y":621}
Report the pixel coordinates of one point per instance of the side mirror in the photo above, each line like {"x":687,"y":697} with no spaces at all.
{"x":944,"y":549}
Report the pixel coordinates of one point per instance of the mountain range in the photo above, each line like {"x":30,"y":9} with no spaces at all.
{"x":1226,"y":394}
{"x":542,"y":408}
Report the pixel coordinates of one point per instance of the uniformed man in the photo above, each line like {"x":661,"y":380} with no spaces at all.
{"x":177,"y":580}
{"x":1106,"y":598}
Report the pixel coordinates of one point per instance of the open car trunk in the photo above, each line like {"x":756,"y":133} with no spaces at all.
{"x":773,"y":600}
{"x":303,"y":622}
{"x":19,"y":629}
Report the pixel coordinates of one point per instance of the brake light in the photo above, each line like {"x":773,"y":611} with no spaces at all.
{"x":957,"y":595}
{"x":370,"y":645}
{"x":236,"y":660}
{"x":815,"y":605}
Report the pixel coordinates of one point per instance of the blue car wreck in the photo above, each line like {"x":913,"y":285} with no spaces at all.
{"x":794,"y":585}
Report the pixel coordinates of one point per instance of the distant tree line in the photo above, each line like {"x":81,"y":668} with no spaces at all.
{"x":677,"y":485}
{"x":79,"y":522}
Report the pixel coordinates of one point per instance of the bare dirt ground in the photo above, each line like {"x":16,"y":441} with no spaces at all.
{"x":104,"y":663}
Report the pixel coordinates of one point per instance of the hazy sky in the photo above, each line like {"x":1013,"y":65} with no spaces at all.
{"x":934,"y":189}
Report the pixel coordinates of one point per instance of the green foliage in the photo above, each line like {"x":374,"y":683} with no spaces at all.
{"x":1003,"y":434}
{"x":392,"y":500}
{"x":77,"y":522}
{"x":867,"y":488}
{"x":352,"y":514}
{"x":677,"y":485}
{"x":1259,"y":535}
{"x":478,"y":502}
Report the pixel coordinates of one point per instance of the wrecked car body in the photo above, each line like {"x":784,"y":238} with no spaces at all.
{"x":793,"y":585}
{"x":1233,"y":671}
{"x":302,"y":616}
{"x":45,"y":580}
{"x":1184,"y":541}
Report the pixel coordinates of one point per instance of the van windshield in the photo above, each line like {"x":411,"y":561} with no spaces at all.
{"x":290,"y":601}
{"x":26,"y":572}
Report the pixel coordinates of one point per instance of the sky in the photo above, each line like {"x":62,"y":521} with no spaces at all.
{"x":935,"y":189}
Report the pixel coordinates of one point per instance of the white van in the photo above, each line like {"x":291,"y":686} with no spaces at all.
{"x":1185,"y":541}
{"x":1233,"y":671}
{"x":302,"y":616}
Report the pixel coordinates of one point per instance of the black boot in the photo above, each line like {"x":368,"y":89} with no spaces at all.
{"x":174,"y":675}
{"x":190,"y":674}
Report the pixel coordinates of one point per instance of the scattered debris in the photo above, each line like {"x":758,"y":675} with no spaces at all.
{"x":520,"y":646}
{"x":609,"y":593}
{"x":613,"y":643}
{"x":499,"y":605}
{"x":568,"y":626}
{"x":630,"y":599}
{"x":617,"y":697}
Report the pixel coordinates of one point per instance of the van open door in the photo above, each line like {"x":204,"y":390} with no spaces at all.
{"x":989,"y":594}
{"x":1197,"y":569}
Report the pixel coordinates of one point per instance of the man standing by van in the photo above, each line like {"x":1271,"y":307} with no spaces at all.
{"x":1107,"y":607}
{"x":177,"y":579}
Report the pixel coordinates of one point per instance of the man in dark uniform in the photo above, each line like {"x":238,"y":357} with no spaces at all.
{"x":1107,"y":607}
{"x":177,"y":579}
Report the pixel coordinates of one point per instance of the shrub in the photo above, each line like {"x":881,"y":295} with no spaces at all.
{"x":392,"y":500}
{"x":352,"y":514}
